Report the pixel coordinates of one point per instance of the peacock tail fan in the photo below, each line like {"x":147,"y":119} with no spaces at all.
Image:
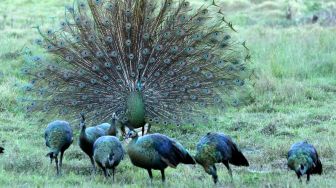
{"x":181,"y":63}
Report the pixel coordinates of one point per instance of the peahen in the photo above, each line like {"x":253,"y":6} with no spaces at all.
{"x":110,"y":129}
{"x":303,"y":159}
{"x":58,"y":137}
{"x":87,"y":138}
{"x":156,"y":151}
{"x":150,"y":61}
{"x":108,"y":152}
{"x":218,"y":148}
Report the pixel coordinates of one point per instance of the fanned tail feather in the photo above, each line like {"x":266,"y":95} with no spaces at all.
{"x":184,"y":58}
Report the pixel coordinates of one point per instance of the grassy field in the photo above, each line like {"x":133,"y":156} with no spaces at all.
{"x":293,"y":99}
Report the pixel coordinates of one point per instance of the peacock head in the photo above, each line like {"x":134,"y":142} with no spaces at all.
{"x":139,"y":85}
{"x":132,"y":134}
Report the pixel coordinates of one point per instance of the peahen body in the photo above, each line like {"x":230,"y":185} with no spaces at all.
{"x":156,"y":151}
{"x":58,"y":137}
{"x":303,"y":159}
{"x":87,"y":138}
{"x":108,"y":152}
{"x":110,"y":129}
{"x":218,"y":148}
{"x":157,"y":62}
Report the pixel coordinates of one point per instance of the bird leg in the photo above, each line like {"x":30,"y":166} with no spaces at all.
{"x":150,"y":174}
{"x":308,"y":177}
{"x":57,"y":169}
{"x":113,"y":171}
{"x":61,"y":158}
{"x":299,"y":177}
{"x":143,"y":130}
{"x":105,"y":172}
{"x":214,"y":174}
{"x":149,"y":127}
{"x":226,"y":163}
{"x":211,"y":169}
{"x":93,"y":164}
{"x":163,"y":175}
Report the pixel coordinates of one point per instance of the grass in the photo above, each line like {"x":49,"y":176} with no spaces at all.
{"x":294,"y":99}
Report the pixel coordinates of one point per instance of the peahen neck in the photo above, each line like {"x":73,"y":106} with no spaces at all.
{"x":113,"y":129}
{"x":133,"y":141}
{"x":82,"y":132}
{"x":135,"y":109}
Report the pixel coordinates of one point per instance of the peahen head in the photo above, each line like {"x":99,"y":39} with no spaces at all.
{"x":302,"y":169}
{"x":82,"y":122}
{"x":300,"y":163}
{"x":132,"y":134}
{"x":114,"y":116}
{"x":111,"y":159}
{"x":51,"y":155}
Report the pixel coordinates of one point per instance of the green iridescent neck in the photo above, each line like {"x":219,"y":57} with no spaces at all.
{"x":135,"y":109}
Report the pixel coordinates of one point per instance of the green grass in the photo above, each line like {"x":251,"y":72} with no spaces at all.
{"x":294,"y":99}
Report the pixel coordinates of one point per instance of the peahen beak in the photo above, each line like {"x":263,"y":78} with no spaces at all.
{"x":302,"y":170}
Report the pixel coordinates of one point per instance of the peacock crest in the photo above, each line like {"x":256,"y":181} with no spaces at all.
{"x":162,"y":62}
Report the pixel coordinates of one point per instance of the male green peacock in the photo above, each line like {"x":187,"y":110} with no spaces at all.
{"x":156,"y":151}
{"x":157,"y":62}
{"x":218,"y":148}
{"x":58,"y":137}
{"x":108,"y":152}
{"x":303,"y":159}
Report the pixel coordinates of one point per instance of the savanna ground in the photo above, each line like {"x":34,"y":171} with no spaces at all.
{"x":293,"y":99}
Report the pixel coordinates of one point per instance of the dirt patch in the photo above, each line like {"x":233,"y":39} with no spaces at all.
{"x":76,"y":155}
{"x":318,"y":119}
{"x":285,"y":134}
{"x":239,"y":126}
{"x":279,"y":164}
{"x":270,"y":129}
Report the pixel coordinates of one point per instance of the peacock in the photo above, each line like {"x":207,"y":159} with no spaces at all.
{"x":2,"y":150}
{"x":108,"y":152}
{"x":58,"y":137}
{"x":303,"y":159}
{"x":87,"y":138}
{"x":156,"y":151}
{"x":218,"y":148}
{"x":150,"y":61}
